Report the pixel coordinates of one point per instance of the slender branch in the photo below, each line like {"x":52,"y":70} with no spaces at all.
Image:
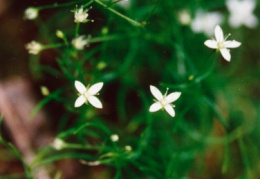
{"x":133,"y":22}
{"x":110,"y":37}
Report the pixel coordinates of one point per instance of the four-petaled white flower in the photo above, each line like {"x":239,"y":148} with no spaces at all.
{"x":34,"y":47}
{"x":163,"y":101}
{"x":221,"y":44}
{"x":79,"y":42}
{"x":81,"y":15}
{"x":241,"y":13}
{"x":31,"y":13}
{"x":87,"y":94}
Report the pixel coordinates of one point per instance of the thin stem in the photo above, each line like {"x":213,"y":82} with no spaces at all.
{"x":87,"y":4}
{"x":209,"y":70}
{"x":65,"y":40}
{"x":77,"y":30}
{"x":234,"y":135}
{"x":133,"y":22}
{"x":110,"y":37}
{"x":79,"y":146}
{"x":51,"y":46}
{"x":153,"y":10}
{"x":244,"y":155}
{"x":19,"y":156}
{"x":196,"y":80}
{"x":227,"y":159}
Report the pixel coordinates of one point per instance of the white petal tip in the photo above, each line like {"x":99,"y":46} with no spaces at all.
{"x":155,"y":107}
{"x":79,"y":101}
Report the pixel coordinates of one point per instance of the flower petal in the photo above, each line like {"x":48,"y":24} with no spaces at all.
{"x":231,"y":44}
{"x":80,"y":87}
{"x":156,"y":93}
{"x":155,"y":107}
{"x":170,"y":110}
{"x":94,"y":89}
{"x":211,"y":43}
{"x":80,"y":10}
{"x":80,"y":100}
{"x":173,"y":97}
{"x":226,"y":54}
{"x":219,"y":34}
{"x":95,"y":102}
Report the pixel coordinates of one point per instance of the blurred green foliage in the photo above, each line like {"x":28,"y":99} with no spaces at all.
{"x":215,"y":133}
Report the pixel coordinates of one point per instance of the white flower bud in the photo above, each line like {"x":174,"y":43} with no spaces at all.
{"x":31,"y":13}
{"x":114,"y":138}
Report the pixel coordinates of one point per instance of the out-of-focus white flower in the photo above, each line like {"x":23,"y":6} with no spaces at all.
{"x":221,"y":44}
{"x":79,"y":42}
{"x":122,"y":3}
{"x":128,"y":148}
{"x":88,"y":95}
{"x":33,"y":47}
{"x":90,"y":163}
{"x":163,"y":101}
{"x":114,"y":138}
{"x":59,"y":34}
{"x":241,"y":13}
{"x":81,"y":15}
{"x":184,"y":17}
{"x":205,"y":22}
{"x":31,"y":13}
{"x":58,"y":144}
{"x":45,"y":91}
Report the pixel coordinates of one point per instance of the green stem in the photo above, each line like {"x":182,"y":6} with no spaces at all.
{"x":18,"y":155}
{"x":133,"y":22}
{"x":244,"y":155}
{"x":65,"y":41}
{"x":79,"y":146}
{"x":87,"y":4}
{"x":234,"y":135}
{"x":49,"y":46}
{"x":77,"y":30}
{"x":110,"y":37}
{"x":227,"y":159}
{"x":208,"y":71}
{"x":196,"y":80}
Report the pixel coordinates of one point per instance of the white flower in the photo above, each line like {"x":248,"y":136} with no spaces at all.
{"x":114,"y":138}
{"x":241,"y":13}
{"x":206,"y":22}
{"x":221,"y":44}
{"x":128,"y":148}
{"x":45,"y":91}
{"x":81,"y":15}
{"x":31,"y":13}
{"x":184,"y":17}
{"x":34,"y":47}
{"x":80,"y":42}
{"x":58,"y":144}
{"x":122,"y":3}
{"x":163,"y":101}
{"x":59,"y":34}
{"x":87,"y":95}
